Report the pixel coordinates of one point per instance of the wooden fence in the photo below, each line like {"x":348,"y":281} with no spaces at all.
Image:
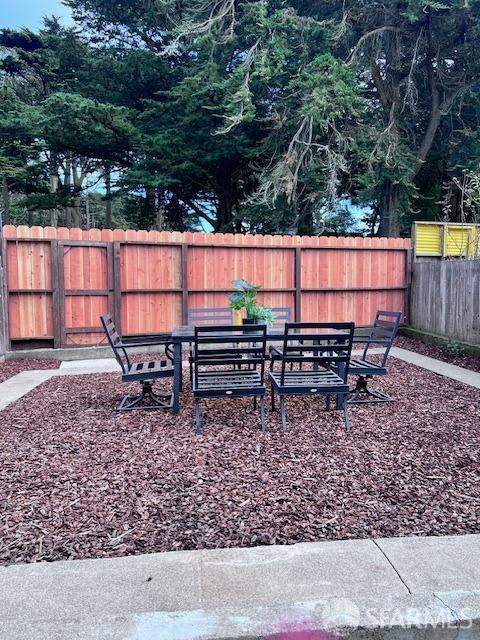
{"x":59,"y":281}
{"x":446,"y":299}
{"x":3,"y":310}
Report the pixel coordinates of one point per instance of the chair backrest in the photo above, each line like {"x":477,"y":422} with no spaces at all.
{"x":321,"y":343}
{"x":282,"y":316}
{"x":115,"y":341}
{"x":223,"y":316}
{"x":383,"y":332}
{"x":231,"y":346}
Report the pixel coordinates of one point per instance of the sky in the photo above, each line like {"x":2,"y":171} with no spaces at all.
{"x":29,"y":13}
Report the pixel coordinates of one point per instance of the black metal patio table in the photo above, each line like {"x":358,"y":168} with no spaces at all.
{"x":185,"y":334}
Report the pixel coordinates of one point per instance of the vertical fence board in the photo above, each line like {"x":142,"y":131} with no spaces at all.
{"x":446,"y":299}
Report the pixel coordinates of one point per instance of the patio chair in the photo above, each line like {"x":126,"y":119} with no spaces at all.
{"x":282,"y":316}
{"x":381,"y":335}
{"x":144,"y":372}
{"x":200,"y":316}
{"x":229,"y":362}
{"x":324,"y":346}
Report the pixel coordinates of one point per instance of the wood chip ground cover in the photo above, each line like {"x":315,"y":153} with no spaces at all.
{"x":79,"y":480}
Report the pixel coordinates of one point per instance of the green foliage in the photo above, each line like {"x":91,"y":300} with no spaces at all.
{"x":244,"y":297}
{"x":263,"y":314}
{"x":242,"y":115}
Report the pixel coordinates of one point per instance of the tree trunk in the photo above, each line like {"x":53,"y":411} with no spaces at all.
{"x":160,"y":219}
{"x":53,"y":188}
{"x":305,"y":224}
{"x":78,"y":177}
{"x":68,"y":217}
{"x":77,"y":212}
{"x":225,"y":198}
{"x":389,"y":210}
{"x":6,"y":201}
{"x":108,"y":197}
{"x":54,"y":217}
{"x":224,"y":212}
{"x":67,"y":185}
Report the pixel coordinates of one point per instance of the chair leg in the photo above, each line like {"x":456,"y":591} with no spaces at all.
{"x":147,"y":399}
{"x":255,"y":402}
{"x":327,"y":407}
{"x":283,"y":413}
{"x":362,"y":394}
{"x":272,"y":397}
{"x":346,"y":416}
{"x":262,"y":414}
{"x":198,"y":417}
{"x":190,"y":365}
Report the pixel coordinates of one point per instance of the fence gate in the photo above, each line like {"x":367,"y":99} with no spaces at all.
{"x":85,"y":290}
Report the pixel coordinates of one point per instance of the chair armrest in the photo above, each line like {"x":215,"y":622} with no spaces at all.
{"x":145,"y":341}
{"x":275,"y":352}
{"x":361,"y":340}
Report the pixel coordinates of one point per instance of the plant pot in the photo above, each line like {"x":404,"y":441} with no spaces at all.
{"x":250,"y":321}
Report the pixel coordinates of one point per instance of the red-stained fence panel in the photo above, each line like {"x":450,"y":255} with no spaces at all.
{"x":59,"y":281}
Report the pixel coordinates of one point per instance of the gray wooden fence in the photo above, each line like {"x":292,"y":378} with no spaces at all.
{"x":445,"y":298}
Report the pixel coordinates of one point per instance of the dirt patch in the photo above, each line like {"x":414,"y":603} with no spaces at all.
{"x":79,"y":480}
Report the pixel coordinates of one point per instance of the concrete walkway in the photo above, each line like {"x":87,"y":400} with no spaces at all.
{"x":375,"y":585}
{"x":17,"y":386}
{"x":467,"y":376}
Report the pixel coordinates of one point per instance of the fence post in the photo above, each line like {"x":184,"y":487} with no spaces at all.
{"x":57,"y":301}
{"x":184,"y":277}
{"x":117,"y":287}
{"x":408,"y":284}
{"x":3,"y":300}
{"x":298,"y":283}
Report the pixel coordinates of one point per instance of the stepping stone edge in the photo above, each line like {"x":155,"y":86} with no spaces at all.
{"x":413,"y":618}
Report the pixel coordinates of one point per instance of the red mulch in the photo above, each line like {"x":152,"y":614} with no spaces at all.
{"x":440,"y":353}
{"x":79,"y":480}
{"x":10,"y":368}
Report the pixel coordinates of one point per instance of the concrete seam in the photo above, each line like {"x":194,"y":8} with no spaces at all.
{"x":392,"y":565}
{"x":457,"y":617}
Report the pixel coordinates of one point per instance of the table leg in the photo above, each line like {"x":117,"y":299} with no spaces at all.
{"x":177,"y":375}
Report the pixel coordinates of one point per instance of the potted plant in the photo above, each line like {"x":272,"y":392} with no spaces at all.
{"x":244,"y":296}
{"x":262,"y":315}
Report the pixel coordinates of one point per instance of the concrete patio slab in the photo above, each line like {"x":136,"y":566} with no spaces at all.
{"x":90,"y":365}
{"x":250,"y":593}
{"x":444,"y":563}
{"x":467,"y":376}
{"x":285,"y":574}
{"x":17,"y":386}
